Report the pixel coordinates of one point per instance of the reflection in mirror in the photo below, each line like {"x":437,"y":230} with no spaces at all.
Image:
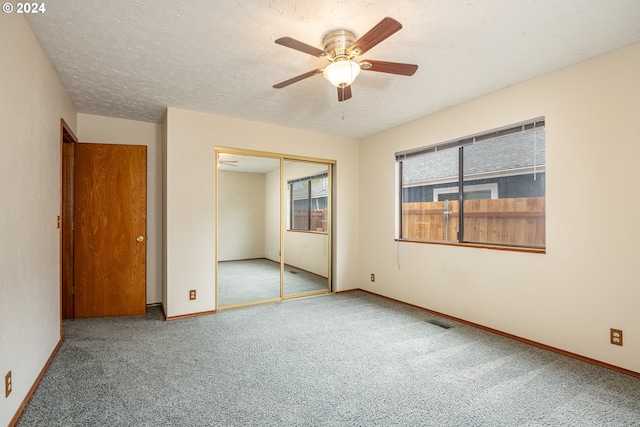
{"x":248,"y":212}
{"x":306,"y":240}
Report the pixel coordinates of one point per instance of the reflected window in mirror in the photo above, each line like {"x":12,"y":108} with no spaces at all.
{"x":308,"y":203}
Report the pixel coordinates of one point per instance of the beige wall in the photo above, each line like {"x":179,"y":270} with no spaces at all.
{"x":588,"y":280}
{"x":241,"y":215}
{"x":191,"y":138}
{"x":32,"y":102}
{"x":108,"y":130}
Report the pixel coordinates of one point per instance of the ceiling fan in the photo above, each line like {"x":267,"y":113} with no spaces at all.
{"x":340,"y":49}
{"x":228,"y":163}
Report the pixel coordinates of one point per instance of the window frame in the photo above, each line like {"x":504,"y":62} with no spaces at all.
{"x":491,"y":186}
{"x":309,"y":199}
{"x":460,"y":188}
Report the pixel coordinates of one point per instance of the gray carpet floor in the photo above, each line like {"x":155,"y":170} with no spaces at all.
{"x":338,"y":360}
{"x":258,"y":279}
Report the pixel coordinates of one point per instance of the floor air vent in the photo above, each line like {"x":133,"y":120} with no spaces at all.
{"x":438,"y":323}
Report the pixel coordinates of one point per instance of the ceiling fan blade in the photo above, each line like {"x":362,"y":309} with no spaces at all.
{"x":389,"y":67}
{"x":381,"y":31}
{"x":297,"y":79}
{"x":302,"y":47}
{"x":344,"y":93}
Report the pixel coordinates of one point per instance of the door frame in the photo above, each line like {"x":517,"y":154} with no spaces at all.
{"x":65,"y":221}
{"x":282,"y":157}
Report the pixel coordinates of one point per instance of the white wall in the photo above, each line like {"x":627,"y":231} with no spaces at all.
{"x":588,"y":281}
{"x":241,"y":215}
{"x":106,"y":130}
{"x":191,"y":138}
{"x":31,"y":106}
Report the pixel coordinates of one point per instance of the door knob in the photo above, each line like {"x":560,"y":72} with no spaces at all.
{"x":139,"y":239}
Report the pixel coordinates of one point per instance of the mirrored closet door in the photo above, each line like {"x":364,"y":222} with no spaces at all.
{"x":306,"y":239}
{"x":248,"y":213}
{"x":273,"y":238}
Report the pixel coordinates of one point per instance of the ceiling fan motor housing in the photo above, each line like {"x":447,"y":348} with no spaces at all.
{"x":338,"y":42}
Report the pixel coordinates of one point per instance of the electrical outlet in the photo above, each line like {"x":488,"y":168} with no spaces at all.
{"x":7,"y":385}
{"x":616,"y":336}
{"x":373,"y":277}
{"x":192,"y":294}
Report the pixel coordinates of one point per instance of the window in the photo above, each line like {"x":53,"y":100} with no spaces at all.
{"x":501,"y":176}
{"x":308,"y":203}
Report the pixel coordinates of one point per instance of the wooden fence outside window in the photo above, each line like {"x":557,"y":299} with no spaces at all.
{"x":515,"y":221}
{"x":318,"y":220}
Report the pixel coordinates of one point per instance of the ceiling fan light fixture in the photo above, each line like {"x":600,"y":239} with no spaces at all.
{"x":341,"y":72}
{"x":340,"y":49}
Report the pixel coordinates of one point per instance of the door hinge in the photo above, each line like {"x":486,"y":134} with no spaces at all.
{"x":73,"y":290}
{"x":73,"y":225}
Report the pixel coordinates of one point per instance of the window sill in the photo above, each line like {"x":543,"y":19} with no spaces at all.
{"x":478,"y":245}
{"x":308,"y":231}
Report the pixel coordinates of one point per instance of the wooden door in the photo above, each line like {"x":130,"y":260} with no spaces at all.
{"x":110,"y":230}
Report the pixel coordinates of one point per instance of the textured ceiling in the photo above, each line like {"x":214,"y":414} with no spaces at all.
{"x":133,"y":58}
